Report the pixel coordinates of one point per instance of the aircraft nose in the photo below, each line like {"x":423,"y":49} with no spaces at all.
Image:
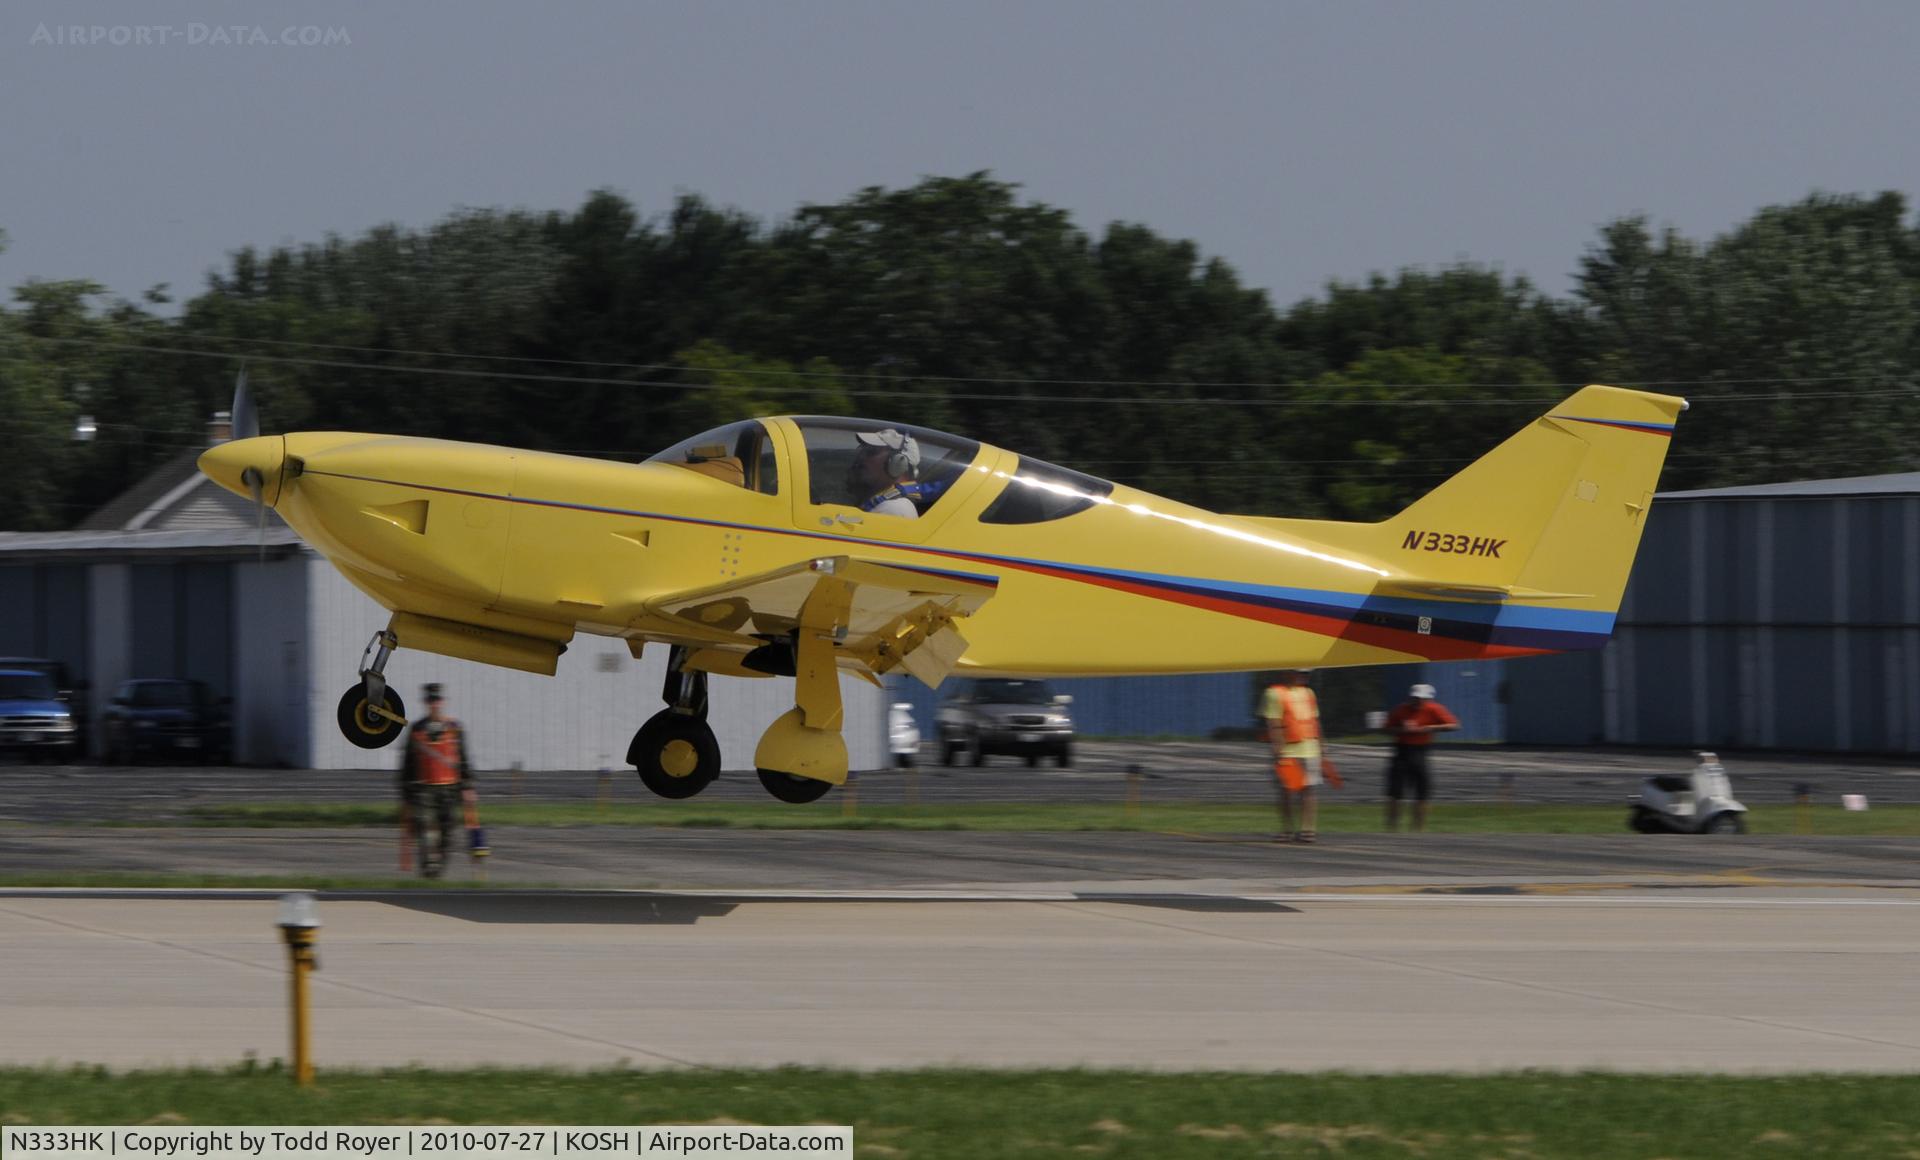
{"x":229,"y":464}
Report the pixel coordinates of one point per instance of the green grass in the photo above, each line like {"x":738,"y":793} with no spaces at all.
{"x":965,"y":1114}
{"x":1199,"y":818}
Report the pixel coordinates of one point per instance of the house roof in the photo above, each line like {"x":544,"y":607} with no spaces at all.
{"x":174,"y":497}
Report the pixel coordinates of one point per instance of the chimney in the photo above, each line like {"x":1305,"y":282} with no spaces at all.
{"x":219,"y":428}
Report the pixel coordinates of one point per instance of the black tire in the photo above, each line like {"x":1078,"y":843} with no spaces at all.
{"x":1064,"y":757}
{"x":1033,"y":761}
{"x":793,"y":790}
{"x":1641,"y":821}
{"x":665,"y":772}
{"x":354,"y":726}
{"x":949,"y":753}
{"x":976,"y":756}
{"x":1726,"y":822}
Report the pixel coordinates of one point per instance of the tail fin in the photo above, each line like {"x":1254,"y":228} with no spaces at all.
{"x":1553,"y":514}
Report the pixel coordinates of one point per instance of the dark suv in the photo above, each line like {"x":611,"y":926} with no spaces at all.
{"x":33,"y":719}
{"x":1006,"y":716}
{"x":69,"y":692}
{"x":166,"y":718}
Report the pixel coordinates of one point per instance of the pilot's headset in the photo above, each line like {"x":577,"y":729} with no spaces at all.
{"x":903,"y":453}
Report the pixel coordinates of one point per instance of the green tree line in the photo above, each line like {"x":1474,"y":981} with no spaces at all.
{"x":956,"y":304}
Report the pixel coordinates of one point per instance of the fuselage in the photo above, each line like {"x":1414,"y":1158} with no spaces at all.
{"x":544,"y":545}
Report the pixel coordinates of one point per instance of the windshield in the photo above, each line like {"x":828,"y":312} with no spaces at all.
{"x":164,"y":694}
{"x":739,"y":453}
{"x":1039,"y":492}
{"x":26,"y":687}
{"x":1013,"y":693}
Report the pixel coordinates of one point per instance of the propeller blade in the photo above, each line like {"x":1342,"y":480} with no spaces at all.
{"x":246,"y":420}
{"x":256,"y":487}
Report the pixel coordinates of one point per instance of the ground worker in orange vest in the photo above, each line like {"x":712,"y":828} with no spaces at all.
{"x":434,"y":776}
{"x":1412,"y":724}
{"x":1292,"y":713}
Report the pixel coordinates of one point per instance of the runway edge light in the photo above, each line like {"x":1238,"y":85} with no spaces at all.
{"x":299,"y":920}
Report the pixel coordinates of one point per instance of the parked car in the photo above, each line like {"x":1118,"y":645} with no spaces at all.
{"x":1021,"y":717}
{"x":71,"y":693}
{"x":166,"y":718}
{"x":34,"y":721}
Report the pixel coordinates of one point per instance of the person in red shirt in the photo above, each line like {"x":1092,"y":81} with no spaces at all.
{"x":1412,"y":724}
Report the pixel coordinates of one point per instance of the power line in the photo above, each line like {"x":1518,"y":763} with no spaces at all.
{"x":1078,"y":400}
{"x":202,"y":336}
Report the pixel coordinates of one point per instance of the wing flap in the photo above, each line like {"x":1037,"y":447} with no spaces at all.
{"x":882,"y":616}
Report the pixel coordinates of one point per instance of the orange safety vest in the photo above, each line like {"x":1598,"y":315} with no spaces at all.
{"x":1299,"y":714}
{"x":437,"y":762}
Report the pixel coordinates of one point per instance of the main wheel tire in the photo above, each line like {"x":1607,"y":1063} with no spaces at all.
{"x":1033,"y":761}
{"x":949,"y":753}
{"x":355,"y":726}
{"x":976,"y":756}
{"x":675,"y":754}
{"x":1064,"y":757}
{"x":1727,"y":822}
{"x":794,"y":790}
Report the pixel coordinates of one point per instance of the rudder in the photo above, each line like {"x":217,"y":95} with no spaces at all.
{"x":1553,"y":514}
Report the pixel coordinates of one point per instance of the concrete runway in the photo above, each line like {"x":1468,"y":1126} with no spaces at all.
{"x":1743,"y":982}
{"x":889,"y":948}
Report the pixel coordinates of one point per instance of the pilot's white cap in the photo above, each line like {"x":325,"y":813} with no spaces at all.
{"x":893,"y":440}
{"x":1421,"y":692}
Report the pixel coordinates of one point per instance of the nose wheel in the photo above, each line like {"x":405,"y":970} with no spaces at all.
{"x":370,"y":714}
{"x":368,"y":724}
{"x":675,"y":754}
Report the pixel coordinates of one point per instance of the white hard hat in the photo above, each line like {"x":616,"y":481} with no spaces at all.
{"x":1423,"y":692}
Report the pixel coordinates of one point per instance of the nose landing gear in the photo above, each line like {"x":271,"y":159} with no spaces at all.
{"x":675,"y":752}
{"x":370,"y":714}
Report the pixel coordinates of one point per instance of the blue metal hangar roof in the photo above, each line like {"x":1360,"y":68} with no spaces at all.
{"x":1901,"y":483}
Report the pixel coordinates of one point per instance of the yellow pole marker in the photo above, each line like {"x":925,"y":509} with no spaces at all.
{"x":1133,"y":793}
{"x":606,"y":788}
{"x":299,"y":920}
{"x":850,"y":797}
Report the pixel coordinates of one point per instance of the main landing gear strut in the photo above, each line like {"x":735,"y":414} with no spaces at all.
{"x":372,"y":715}
{"x":675,"y":751}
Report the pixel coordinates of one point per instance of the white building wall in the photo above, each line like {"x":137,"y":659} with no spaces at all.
{"x":271,"y":724}
{"x":581,"y":718}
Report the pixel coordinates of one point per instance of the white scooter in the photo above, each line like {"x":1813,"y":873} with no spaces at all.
{"x":1701,"y":803}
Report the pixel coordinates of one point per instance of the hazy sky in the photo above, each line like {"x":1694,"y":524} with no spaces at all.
{"x":1300,"y":141}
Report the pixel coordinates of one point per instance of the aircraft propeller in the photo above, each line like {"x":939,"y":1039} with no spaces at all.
{"x":246,"y":425}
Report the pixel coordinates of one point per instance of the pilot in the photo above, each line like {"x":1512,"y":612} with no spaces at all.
{"x":434,"y":774}
{"x":884,"y":464}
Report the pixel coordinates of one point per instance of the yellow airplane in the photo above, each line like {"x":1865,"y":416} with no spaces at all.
{"x":803,"y":546}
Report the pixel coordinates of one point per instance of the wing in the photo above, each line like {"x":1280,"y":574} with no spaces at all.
{"x":881,"y":616}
